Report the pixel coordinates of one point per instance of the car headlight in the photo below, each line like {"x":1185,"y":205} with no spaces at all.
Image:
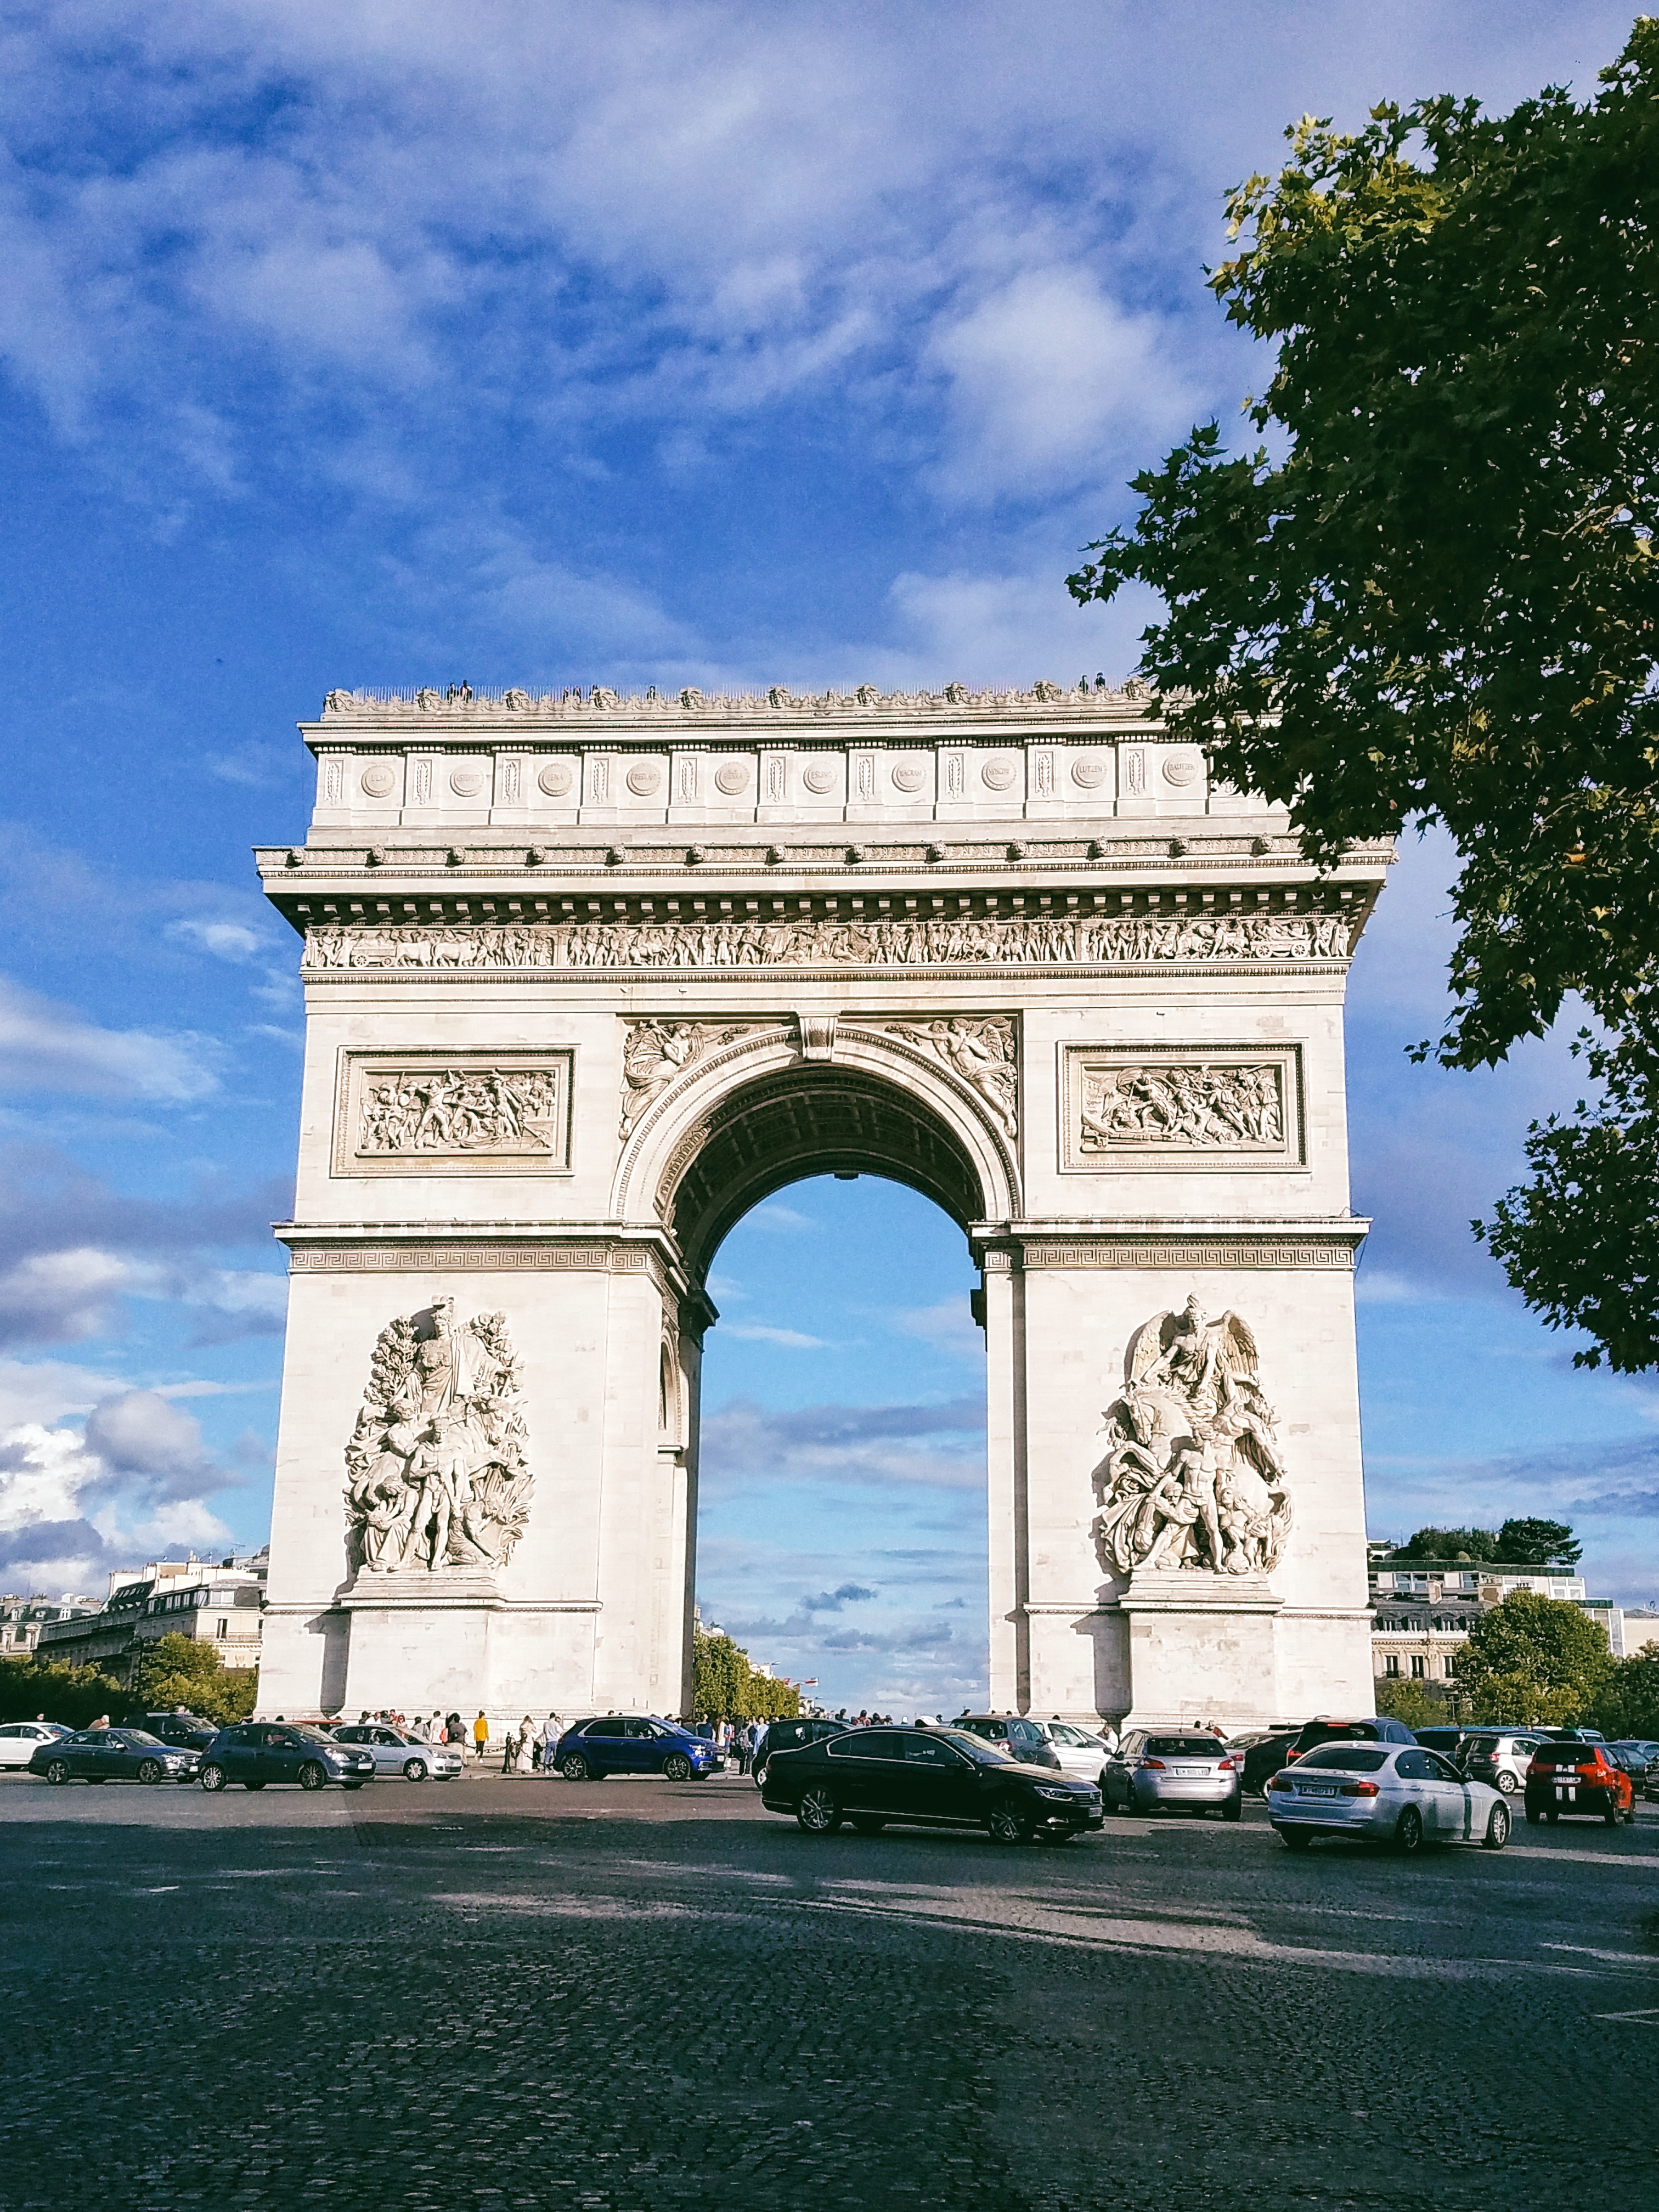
{"x":1043,"y":1791}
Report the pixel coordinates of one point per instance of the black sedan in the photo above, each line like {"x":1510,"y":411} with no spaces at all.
{"x":926,"y":1777}
{"x":115,"y":1755}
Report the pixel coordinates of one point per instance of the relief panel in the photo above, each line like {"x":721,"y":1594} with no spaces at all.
{"x":1211,"y":1107}
{"x":443,"y":1114}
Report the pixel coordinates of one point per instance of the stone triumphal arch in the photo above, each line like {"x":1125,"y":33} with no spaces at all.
{"x":587,"y":976}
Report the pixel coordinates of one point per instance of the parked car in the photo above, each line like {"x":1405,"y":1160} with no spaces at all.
{"x":1154,"y":1770}
{"x":18,"y":1739}
{"x":114,"y":1754}
{"x":256,"y":1753}
{"x":632,"y":1743}
{"x":789,"y":1735}
{"x":1384,"y":1792}
{"x":1574,"y":1776}
{"x":1263,"y":1757}
{"x":928,"y":1777}
{"x":1024,"y":1740}
{"x":188,"y":1730}
{"x":395,"y":1752}
{"x":1497,"y":1756}
{"x":1448,"y":1742}
{"x":1324,"y":1728}
{"x":1649,"y":1750}
{"x":1081,"y":1753}
{"x":1635,"y":1764}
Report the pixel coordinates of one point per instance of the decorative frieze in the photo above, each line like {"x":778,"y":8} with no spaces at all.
{"x":1335,"y":1253}
{"x":430,"y":1113}
{"x":657,"y":1053}
{"x":1063,"y":940}
{"x":418,"y":1257}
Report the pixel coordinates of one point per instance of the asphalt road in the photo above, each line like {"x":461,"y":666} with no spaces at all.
{"x":630,"y":1994}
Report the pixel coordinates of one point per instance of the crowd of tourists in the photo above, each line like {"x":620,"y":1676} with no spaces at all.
{"x":529,"y":1747}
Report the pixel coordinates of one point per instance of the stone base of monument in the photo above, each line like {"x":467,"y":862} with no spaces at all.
{"x":1202,"y":1647}
{"x":422,"y":1640}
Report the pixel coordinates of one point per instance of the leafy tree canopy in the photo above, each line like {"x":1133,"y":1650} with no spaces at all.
{"x":1628,"y":1704}
{"x":1534,"y":1658}
{"x":74,"y":1695}
{"x":725,"y":1686}
{"x":1517,"y":1544}
{"x":1441,"y":604}
{"x":180,"y":1670}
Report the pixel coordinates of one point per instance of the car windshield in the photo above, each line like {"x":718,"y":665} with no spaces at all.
{"x":988,"y":1754}
{"x":1183,"y":1746}
{"x":1345,"y":1759}
{"x":309,"y":1735}
{"x":1336,"y":1732}
{"x":1567,"y":1754}
{"x":1062,"y":1732}
{"x":138,"y":1737}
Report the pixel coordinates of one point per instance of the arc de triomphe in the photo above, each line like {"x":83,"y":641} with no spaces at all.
{"x":586,"y":977}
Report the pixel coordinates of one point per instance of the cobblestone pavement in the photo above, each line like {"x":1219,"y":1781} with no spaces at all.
{"x":634,"y":1995}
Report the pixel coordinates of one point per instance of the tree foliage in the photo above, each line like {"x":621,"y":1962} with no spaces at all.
{"x":1628,"y":1703}
{"x":1440,"y":604}
{"x":725,"y":1686}
{"x":1529,"y":1543}
{"x":1533,"y":1659}
{"x":180,"y":1670}
{"x":1419,"y":1705}
{"x":74,"y":1695}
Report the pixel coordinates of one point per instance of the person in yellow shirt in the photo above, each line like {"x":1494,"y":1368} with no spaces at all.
{"x":480,"y":1736}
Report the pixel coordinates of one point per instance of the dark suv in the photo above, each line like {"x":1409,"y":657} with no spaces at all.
{"x":254,"y":1753}
{"x":789,"y":1735}
{"x":1579,"y":1777}
{"x":1326,"y":1729}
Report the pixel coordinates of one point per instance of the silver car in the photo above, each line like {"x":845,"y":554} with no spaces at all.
{"x":1384,"y":1793}
{"x":1498,"y":1759}
{"x":1158,"y":1770}
{"x":396,"y":1752}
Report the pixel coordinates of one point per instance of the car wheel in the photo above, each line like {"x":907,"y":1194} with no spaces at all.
{"x":1506,"y":1781}
{"x":212,"y":1778}
{"x":414,"y":1770}
{"x":865,"y":1826}
{"x":57,"y":1770}
{"x":1006,"y":1824}
{"x":1408,"y":1831}
{"x":1533,"y":1817}
{"x":1233,"y":1809}
{"x":149,"y":1770}
{"x":1497,"y":1829}
{"x":312,"y":1776}
{"x":1612,"y":1818}
{"x":1551,"y":1814}
{"x":1295,"y":1840}
{"x":760,"y":1777}
{"x":574,"y":1768}
{"x":1630,"y":1817}
{"x":676,"y":1766}
{"x":818,"y":1813}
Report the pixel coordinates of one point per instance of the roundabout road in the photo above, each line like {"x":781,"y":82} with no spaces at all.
{"x":633,"y":1994}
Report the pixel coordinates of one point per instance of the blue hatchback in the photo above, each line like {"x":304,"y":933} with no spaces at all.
{"x":632,"y":1743}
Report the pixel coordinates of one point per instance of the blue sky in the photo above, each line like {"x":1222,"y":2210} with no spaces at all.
{"x":383,"y":344}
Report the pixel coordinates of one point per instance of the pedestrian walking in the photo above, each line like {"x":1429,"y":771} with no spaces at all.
{"x":552,"y":1729}
{"x":480,"y":1736}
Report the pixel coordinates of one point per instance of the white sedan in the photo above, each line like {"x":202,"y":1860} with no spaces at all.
{"x":395,"y":1752}
{"x":20,"y":1739}
{"x":1384,"y":1793}
{"x":1081,"y":1755}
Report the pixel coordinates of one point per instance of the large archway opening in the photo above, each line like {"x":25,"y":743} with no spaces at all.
{"x":841,"y":1531}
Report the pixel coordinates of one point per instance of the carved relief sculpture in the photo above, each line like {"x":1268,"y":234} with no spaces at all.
{"x":984,"y":1053}
{"x":462,"y":1110}
{"x":1131,"y":940}
{"x":1236,"y":1105}
{"x":655,"y":1053}
{"x":1193,"y":1479}
{"x":437,"y":1479}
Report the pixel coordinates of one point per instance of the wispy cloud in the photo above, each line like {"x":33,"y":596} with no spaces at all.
{"x":46,"y":1047}
{"x":792,"y":1340}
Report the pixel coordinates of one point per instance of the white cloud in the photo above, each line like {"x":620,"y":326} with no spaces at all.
{"x":46,"y":1047}
{"x":792,"y":1340}
{"x":1048,"y":379}
{"x":225,"y":940}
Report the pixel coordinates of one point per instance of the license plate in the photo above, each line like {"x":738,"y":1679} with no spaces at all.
{"x":1188,"y":1773}
{"x":1317,"y":1790}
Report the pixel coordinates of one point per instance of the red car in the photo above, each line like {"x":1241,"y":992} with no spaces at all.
{"x":1579,"y":1777}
